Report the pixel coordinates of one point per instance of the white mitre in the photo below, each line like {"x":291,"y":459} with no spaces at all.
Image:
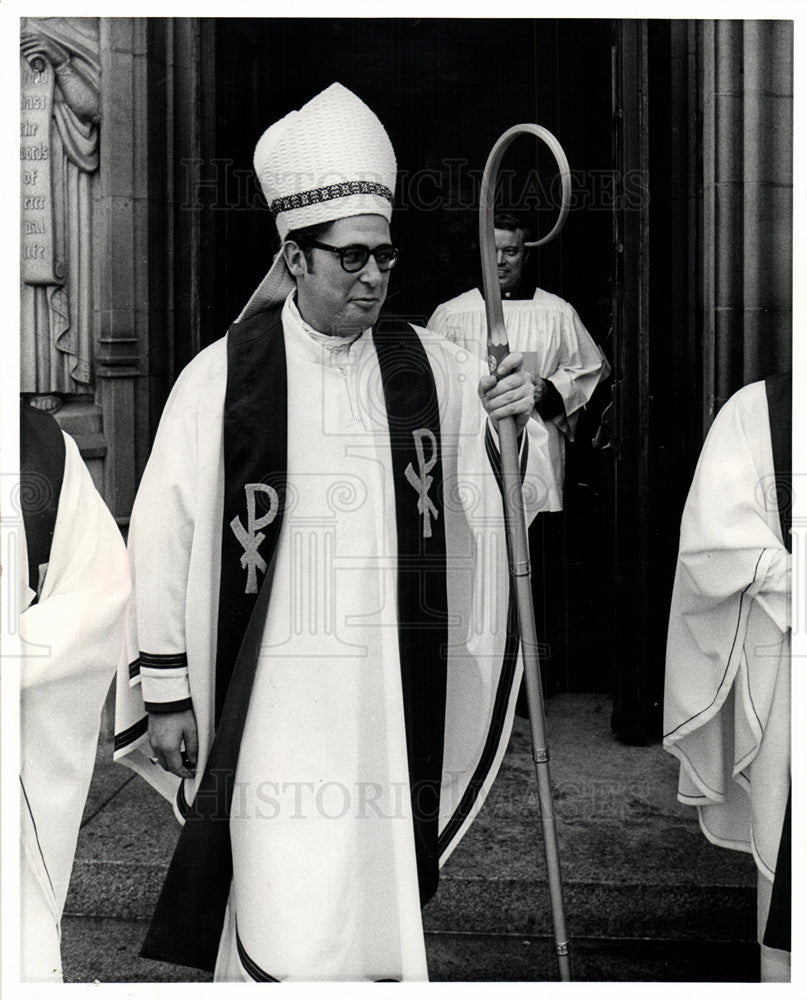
{"x":330,"y":160}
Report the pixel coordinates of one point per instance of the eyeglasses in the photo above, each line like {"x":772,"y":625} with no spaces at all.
{"x":354,"y":257}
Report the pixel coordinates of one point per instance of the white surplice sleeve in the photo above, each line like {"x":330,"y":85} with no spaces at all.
{"x":174,"y":550}
{"x":580,"y":366}
{"x":548,"y":332}
{"x":462,"y":321}
{"x":727,"y":679}
{"x":731,"y":557}
{"x":160,"y":540}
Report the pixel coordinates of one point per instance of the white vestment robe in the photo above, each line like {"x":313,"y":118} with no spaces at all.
{"x":727,"y":687}
{"x":325,"y":882}
{"x":556,"y":346}
{"x":71,"y":643}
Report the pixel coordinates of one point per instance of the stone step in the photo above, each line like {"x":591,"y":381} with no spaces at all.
{"x":484,"y":905}
{"x":635,"y":864}
{"x":101,"y":949}
{"x":593,"y":909}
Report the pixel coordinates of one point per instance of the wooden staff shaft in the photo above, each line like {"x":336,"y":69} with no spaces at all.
{"x":515,"y":524}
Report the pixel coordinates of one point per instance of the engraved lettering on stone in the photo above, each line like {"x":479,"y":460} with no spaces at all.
{"x":60,"y":108}
{"x":422,"y":481}
{"x":37,"y":250}
{"x":251,"y":537}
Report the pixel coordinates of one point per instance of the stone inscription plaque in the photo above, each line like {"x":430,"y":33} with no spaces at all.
{"x":36,"y":216}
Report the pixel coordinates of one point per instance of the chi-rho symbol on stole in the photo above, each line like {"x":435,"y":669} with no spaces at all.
{"x":251,"y":538}
{"x":421,"y":481}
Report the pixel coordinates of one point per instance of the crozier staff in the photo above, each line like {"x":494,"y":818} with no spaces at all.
{"x":322,"y":675}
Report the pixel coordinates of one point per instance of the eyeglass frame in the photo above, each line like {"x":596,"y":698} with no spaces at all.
{"x":315,"y":244}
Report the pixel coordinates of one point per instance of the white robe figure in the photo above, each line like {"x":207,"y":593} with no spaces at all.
{"x":727,"y":688}
{"x":325,"y":879}
{"x":71,"y":643}
{"x":556,"y":346}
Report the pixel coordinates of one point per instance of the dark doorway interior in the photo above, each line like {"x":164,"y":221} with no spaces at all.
{"x":445,"y":90}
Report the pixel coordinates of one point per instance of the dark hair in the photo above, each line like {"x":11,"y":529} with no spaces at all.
{"x":307,"y":235}
{"x":512,"y":223}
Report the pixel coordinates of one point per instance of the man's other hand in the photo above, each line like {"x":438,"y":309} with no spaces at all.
{"x":539,"y":389}
{"x":509,"y":395}
{"x":168,"y":733}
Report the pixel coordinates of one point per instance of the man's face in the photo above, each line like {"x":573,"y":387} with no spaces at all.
{"x":510,"y":257}
{"x":333,"y":300}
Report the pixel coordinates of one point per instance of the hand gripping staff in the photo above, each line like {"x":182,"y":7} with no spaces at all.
{"x":514,"y":510}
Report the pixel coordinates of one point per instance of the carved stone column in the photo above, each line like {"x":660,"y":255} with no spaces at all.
{"x":747,"y":89}
{"x":146,"y":260}
{"x":121,"y":284}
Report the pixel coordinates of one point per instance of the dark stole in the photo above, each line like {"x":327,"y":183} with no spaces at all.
{"x":188,"y":920}
{"x":779,"y":394}
{"x":42,"y":463}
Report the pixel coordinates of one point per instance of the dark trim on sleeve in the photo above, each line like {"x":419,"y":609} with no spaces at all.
{"x":552,"y":403}
{"x":163,"y":661}
{"x":167,"y":707}
{"x":134,"y":669}
{"x":133,"y":733}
